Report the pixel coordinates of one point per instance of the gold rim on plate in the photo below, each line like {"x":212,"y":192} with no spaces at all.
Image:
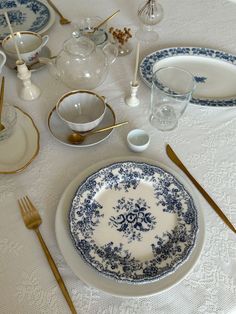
{"x":37,"y":149}
{"x":51,"y":131}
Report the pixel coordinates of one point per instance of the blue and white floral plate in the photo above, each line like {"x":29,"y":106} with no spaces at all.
{"x":89,"y":274}
{"x":25,"y":15}
{"x":133,"y":221}
{"x":214,"y":72}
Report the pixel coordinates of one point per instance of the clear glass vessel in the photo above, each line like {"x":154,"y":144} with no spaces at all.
{"x":83,"y":65}
{"x":172,"y":88}
{"x":150,"y":13}
{"x":9,"y":117}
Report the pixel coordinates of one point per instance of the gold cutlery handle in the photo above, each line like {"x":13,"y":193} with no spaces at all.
{"x":56,"y":272}
{"x":55,"y":8}
{"x":63,"y":20}
{"x":2,"y":96}
{"x":217,"y":209}
{"x":106,"y":20}
{"x":109,"y":127}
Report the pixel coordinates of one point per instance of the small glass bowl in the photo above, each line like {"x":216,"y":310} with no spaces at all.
{"x":84,"y":25}
{"x":9,"y":117}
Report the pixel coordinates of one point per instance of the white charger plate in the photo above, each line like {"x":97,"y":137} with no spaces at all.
{"x":214,"y":72}
{"x":30,"y":15}
{"x":91,"y":276}
{"x":20,"y":149}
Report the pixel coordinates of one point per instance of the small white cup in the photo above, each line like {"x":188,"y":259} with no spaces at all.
{"x":138,"y":140}
{"x":29,"y":44}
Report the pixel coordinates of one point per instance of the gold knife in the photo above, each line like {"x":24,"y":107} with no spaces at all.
{"x":171,"y":154}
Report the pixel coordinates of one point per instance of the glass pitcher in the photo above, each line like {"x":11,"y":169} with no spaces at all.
{"x":83,"y":65}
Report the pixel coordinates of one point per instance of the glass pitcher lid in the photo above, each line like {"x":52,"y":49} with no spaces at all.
{"x":81,"y":46}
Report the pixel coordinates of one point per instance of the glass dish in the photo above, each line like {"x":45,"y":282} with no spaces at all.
{"x":85,"y":25}
{"x":9,"y":118}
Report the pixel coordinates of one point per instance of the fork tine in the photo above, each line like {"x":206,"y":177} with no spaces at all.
{"x":26,"y":205}
{"x":22,"y":209}
{"x":30,"y":204}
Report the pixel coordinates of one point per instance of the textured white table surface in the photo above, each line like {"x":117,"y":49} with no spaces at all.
{"x":205,"y":140}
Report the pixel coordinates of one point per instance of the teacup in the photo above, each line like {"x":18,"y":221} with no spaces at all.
{"x":29,"y":44}
{"x":81,"y":110}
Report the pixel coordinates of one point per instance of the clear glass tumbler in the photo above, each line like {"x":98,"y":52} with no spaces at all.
{"x":172,"y":88}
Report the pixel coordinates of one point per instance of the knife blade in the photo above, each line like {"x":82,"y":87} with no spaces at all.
{"x":171,"y":154}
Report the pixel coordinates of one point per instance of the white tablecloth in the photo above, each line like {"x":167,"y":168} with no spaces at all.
{"x":204,"y":139}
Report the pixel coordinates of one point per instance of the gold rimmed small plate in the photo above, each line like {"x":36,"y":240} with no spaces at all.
{"x":60,"y":130}
{"x":20,"y":149}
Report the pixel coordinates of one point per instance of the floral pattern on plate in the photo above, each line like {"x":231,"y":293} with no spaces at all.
{"x":133,"y":221}
{"x":149,"y":62}
{"x":24,"y":15}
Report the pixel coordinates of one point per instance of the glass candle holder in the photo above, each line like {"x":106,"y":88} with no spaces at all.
{"x":150,"y":13}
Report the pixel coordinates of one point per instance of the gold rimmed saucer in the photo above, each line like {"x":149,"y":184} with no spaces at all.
{"x":45,"y":53}
{"x":60,"y":130}
{"x":20,"y":149}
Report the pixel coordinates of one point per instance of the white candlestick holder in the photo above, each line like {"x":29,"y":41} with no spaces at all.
{"x":133,"y":100}
{"x":29,"y":91}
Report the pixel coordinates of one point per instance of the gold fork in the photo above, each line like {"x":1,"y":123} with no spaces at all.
{"x":32,"y":221}
{"x":63,"y":20}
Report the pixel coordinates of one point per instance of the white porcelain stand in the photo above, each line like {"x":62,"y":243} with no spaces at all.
{"x":29,"y":91}
{"x":133,"y":100}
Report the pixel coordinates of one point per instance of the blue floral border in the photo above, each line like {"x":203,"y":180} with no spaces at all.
{"x":40,"y":13}
{"x":92,"y":215}
{"x":148,"y":62}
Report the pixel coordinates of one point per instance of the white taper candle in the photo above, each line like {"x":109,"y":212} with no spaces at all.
{"x":13,"y":36}
{"x":136,"y":65}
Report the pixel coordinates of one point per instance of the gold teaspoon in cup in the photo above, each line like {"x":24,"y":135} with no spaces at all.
{"x":103,"y":22}
{"x":77,"y":138}
{"x":2,"y":127}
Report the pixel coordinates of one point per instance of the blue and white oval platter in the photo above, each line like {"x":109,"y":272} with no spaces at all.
{"x":214,"y":72}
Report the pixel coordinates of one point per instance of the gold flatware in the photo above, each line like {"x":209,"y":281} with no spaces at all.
{"x":2,"y":127}
{"x":41,"y":60}
{"x":63,"y":20}
{"x":171,"y":154}
{"x":76,"y":137}
{"x":32,"y":221}
{"x":103,"y":22}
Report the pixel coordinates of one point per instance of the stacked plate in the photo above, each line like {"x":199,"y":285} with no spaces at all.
{"x":130,"y":227}
{"x":21,"y":148}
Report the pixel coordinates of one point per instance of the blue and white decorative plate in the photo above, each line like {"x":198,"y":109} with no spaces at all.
{"x":25,"y":15}
{"x":214,"y":72}
{"x":133,"y":222}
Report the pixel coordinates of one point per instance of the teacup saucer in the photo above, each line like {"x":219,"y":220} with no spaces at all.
{"x":61,"y":131}
{"x":45,"y":53}
{"x":19,"y":150}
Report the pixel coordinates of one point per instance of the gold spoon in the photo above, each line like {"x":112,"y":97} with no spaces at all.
{"x":103,"y":22}
{"x":63,"y":20}
{"x":2,"y":127}
{"x":76,"y":137}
